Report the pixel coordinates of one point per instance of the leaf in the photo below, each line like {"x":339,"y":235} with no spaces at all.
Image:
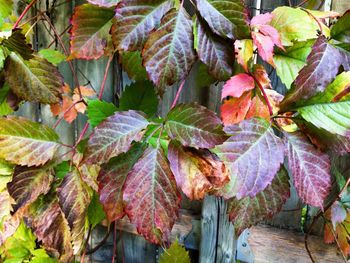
{"x":333,"y":117}
{"x":114,"y":136}
{"x":244,"y":52}
{"x":322,"y":66}
{"x":249,"y":211}
{"x":140,"y":96}
{"x":132,"y":64}
{"x":98,"y":111}
{"x":340,"y":31}
{"x":18,"y":44}
{"x":338,"y":213}
{"x":28,"y":184}
{"x":112,"y":178}
{"x":53,"y":56}
{"x":197,"y":172}
{"x":135,"y":20}
{"x":294,"y":24}
{"x":258,"y":108}
{"x":174,"y":60}
{"x":35,"y":80}
{"x":25,"y":142}
{"x":194,"y":125}
{"x":6,"y":168}
{"x":90,"y":31}
{"x":175,"y":254}
{"x":291,"y":61}
{"x":310,"y":169}
{"x":74,"y":197}
{"x":335,"y":91}
{"x":213,"y":51}
{"x":237,"y":85}
{"x":95,"y":211}
{"x":234,"y":110}
{"x":5,"y":8}
{"x":62,"y":169}
{"x":105,"y":3}
{"x":253,"y":154}
{"x":51,"y":228}
{"x":225,"y":18}
{"x":152,"y":200}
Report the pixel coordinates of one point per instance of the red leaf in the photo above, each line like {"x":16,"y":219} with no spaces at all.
{"x":262,"y":19}
{"x":272,"y":33}
{"x":265,"y":47}
{"x":237,"y":85}
{"x":234,"y":110}
{"x":310,"y":169}
{"x":258,"y":108}
{"x":151,"y":196}
{"x":197,"y":172}
{"x":111,"y":180}
{"x":253,"y":155}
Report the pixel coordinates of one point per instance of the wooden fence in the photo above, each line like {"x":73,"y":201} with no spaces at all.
{"x":203,"y":227}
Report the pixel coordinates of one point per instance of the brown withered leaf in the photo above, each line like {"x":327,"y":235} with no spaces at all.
{"x":197,"y":172}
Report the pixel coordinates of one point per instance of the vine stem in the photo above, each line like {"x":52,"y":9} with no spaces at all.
{"x":86,"y":243}
{"x":25,"y":11}
{"x":263,"y":93}
{"x":336,"y":240}
{"x":114,"y":243}
{"x":177,"y":96}
{"x":318,"y":22}
{"x":76,"y":80}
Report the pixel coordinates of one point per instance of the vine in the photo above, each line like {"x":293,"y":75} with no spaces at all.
{"x":135,"y":163}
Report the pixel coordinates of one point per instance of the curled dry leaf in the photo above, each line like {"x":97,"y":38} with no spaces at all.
{"x":197,"y":172}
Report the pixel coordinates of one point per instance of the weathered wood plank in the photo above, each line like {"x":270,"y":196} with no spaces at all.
{"x":340,"y":5}
{"x":272,"y":245}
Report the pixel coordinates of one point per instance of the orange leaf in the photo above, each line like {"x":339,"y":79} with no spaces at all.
{"x":328,"y":237}
{"x":71,"y":114}
{"x":258,"y":108}
{"x":80,"y":107}
{"x":85,"y":91}
{"x":234,"y":110}
{"x":66,"y":88}
{"x":56,"y":109}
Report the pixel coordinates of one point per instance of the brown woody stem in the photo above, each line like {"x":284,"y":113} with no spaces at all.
{"x":25,"y":11}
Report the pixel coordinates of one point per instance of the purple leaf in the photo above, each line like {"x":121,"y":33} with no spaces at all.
{"x":253,"y":155}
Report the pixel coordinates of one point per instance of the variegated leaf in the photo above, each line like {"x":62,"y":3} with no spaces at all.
{"x":135,"y":20}
{"x":168,"y":54}
{"x":253,"y":154}
{"x":25,"y":142}
{"x":74,"y":197}
{"x":197,"y":172}
{"x":34,"y":80}
{"x":111,"y":180}
{"x":28,"y":184}
{"x":151,"y":196}
{"x":115,"y":135}
{"x":194,"y":125}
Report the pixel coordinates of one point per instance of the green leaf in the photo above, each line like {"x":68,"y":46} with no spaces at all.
{"x":294,"y":24}
{"x":172,"y":62}
{"x":333,"y":117}
{"x":249,"y":211}
{"x":95,"y":211}
{"x":112,"y":180}
{"x":340,"y":31}
{"x":114,"y":136}
{"x":2,"y":58}
{"x":6,"y":168}
{"x":228,"y":19}
{"x":139,"y":96}
{"x":25,"y":142}
{"x":98,"y":111}
{"x":34,"y":80}
{"x":62,"y":169}
{"x":90,"y":31}
{"x":6,"y":7}
{"x":53,"y":56}
{"x":135,"y":20}
{"x":175,"y":254}
{"x":194,"y":125}
{"x":291,"y":61}
{"x":74,"y":197}
{"x":132,"y":65}
{"x":28,"y":184}
{"x":5,"y":109}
